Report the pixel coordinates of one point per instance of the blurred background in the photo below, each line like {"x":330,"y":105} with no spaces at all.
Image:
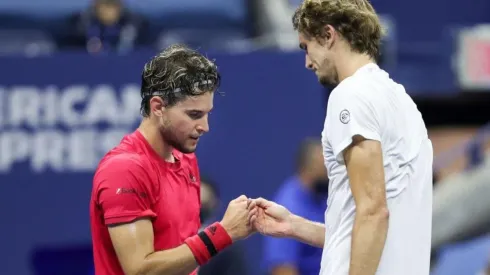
{"x":69,"y":90}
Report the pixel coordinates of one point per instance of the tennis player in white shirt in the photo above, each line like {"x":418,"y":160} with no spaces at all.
{"x":376,"y":149}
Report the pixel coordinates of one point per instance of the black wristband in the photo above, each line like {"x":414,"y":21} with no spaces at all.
{"x":208,"y":243}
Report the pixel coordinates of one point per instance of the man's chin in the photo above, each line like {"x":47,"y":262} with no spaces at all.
{"x":327,"y":83}
{"x":187,"y":149}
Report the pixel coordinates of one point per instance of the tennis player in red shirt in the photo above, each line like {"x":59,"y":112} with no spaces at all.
{"x":144,"y":210}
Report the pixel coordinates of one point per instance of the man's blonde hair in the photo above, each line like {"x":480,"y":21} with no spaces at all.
{"x":355,"y":20}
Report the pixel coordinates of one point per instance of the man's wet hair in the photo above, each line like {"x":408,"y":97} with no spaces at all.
{"x":175,"y":74}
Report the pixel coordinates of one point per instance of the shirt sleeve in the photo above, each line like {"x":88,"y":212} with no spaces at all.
{"x":350,"y":114}
{"x":124,"y":191}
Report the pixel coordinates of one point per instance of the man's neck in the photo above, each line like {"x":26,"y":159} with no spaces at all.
{"x":349,"y":62}
{"x":151,"y":133}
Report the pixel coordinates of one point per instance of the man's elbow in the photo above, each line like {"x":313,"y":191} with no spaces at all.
{"x":150,"y":267}
{"x":374,"y":211}
{"x":142,"y":268}
{"x":137,"y":270}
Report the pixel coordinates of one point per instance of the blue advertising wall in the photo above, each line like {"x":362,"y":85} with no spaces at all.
{"x":58,"y":116}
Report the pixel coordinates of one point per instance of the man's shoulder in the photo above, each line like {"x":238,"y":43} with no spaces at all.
{"x":121,"y":159}
{"x":120,"y":162}
{"x":125,"y":154}
{"x":354,"y":94}
{"x":124,"y":170}
{"x":352,"y":87}
{"x":365,"y":82}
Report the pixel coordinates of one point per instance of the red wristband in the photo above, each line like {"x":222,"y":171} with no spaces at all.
{"x":218,"y":236}
{"x":199,"y":249}
{"x":209,"y":242}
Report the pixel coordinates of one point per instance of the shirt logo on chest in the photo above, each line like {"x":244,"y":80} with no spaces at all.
{"x":192,"y":178}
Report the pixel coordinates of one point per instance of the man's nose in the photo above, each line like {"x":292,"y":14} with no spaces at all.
{"x":308,"y":63}
{"x":203,"y":126}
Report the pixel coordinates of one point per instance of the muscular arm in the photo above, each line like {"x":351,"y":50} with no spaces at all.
{"x":364,"y":163}
{"x":133,"y":243}
{"x":308,"y":232}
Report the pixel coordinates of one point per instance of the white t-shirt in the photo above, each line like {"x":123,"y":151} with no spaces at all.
{"x":372,"y":105}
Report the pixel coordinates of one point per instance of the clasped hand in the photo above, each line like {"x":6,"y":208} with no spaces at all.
{"x":244,"y":216}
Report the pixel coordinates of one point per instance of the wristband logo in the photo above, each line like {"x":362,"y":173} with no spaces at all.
{"x":212,"y":229}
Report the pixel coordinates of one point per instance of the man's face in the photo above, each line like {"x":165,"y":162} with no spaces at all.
{"x":319,"y":59}
{"x":108,"y":14}
{"x":182,"y":124}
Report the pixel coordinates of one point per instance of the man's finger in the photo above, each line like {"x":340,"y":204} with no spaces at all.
{"x":252,"y":223}
{"x":261,"y":202}
{"x":252,"y":216}
{"x":251,"y":204}
{"x":241,"y":198}
{"x":252,"y":212}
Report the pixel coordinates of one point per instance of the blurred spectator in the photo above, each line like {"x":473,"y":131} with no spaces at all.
{"x":468,"y":257}
{"x":232,"y":259}
{"x":487,"y":270}
{"x":273,"y":19}
{"x":304,"y":194}
{"x":435,"y":177}
{"x":107,"y":26}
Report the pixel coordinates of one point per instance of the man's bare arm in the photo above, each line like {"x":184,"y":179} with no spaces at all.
{"x":133,"y":243}
{"x":308,"y":232}
{"x":364,"y":161}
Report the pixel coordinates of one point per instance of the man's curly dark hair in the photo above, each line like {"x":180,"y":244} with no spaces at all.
{"x":175,"y":74}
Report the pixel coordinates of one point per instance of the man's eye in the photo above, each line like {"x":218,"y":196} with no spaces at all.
{"x":195,"y":115}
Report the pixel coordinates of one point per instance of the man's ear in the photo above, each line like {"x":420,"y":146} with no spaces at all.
{"x":330,"y":34}
{"x":157,"y":105}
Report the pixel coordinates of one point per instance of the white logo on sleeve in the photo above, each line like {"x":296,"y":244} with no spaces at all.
{"x":344,"y":116}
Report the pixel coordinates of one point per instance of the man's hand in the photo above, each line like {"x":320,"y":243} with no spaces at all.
{"x":238,"y":215}
{"x":275,"y":220}
{"x":272,"y":219}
